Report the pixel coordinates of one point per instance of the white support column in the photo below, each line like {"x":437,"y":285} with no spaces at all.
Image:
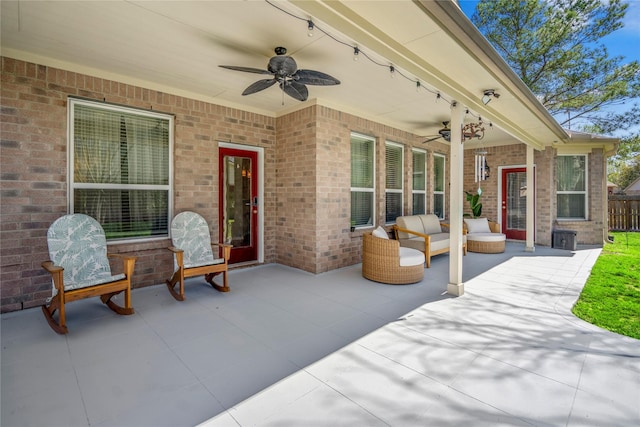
{"x":530,"y":244}
{"x":456,"y":183}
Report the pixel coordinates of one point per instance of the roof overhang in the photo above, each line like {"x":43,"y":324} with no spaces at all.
{"x":176,"y":47}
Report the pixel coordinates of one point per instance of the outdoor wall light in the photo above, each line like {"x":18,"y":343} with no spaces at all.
{"x":488,"y":95}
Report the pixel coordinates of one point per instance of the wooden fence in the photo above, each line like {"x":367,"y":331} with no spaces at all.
{"x":624,"y":212}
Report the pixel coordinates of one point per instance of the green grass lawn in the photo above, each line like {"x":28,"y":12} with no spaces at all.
{"x":611,"y":297}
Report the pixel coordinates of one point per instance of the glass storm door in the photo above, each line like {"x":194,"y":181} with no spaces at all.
{"x":238,"y":179}
{"x":514,"y":203}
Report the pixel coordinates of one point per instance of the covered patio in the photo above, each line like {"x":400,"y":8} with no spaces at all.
{"x":290,"y":348}
{"x":421,"y":64}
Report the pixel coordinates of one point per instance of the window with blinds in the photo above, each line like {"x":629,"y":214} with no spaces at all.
{"x":121,"y":173}
{"x":571,"y":186}
{"x":419,"y":187}
{"x":394,"y":154}
{"x":362,"y":180}
{"x":438,"y":185}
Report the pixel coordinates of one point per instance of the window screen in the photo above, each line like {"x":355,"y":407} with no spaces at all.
{"x":121,"y":168}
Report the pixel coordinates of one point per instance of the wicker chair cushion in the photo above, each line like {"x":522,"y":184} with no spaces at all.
{"x":477,"y":225}
{"x":380,"y":232}
{"x":190,"y":232}
{"x":486,"y":237}
{"x":410,"y":257}
{"x":77,"y":243}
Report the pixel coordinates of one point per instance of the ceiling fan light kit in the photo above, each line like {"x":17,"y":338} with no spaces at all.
{"x":285,"y":72}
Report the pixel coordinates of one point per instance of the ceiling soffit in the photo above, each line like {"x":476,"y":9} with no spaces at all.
{"x":436,"y":58}
{"x":176,"y":47}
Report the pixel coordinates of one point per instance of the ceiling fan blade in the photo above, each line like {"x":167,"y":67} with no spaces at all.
{"x":259,"y":85}
{"x":431,"y":139}
{"x":311,"y":77}
{"x":246,"y":69}
{"x":295,"y":90}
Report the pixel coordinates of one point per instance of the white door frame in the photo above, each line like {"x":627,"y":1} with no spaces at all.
{"x":260,"y":152}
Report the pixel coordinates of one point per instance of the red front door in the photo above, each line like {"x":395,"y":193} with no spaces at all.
{"x":238,"y":180}
{"x":514,"y":203}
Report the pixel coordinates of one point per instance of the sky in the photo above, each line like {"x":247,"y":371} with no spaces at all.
{"x":624,"y":42}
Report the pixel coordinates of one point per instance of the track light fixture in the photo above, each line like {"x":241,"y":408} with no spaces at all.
{"x":488,"y":95}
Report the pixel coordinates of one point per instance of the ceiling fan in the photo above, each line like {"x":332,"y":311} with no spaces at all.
{"x":445,"y":133}
{"x":285,"y":72}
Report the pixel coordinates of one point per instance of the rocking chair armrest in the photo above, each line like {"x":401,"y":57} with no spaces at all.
{"x":179,"y":253}
{"x":56,"y":274}
{"x":226,"y":250}
{"x":51,"y":267}
{"x":128,"y":262}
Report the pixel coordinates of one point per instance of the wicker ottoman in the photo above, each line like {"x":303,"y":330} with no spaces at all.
{"x":486,"y":243}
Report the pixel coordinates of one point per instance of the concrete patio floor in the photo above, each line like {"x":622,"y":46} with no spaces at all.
{"x":288,"y":348}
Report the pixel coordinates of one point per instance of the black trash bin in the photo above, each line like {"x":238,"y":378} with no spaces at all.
{"x":565,"y":239}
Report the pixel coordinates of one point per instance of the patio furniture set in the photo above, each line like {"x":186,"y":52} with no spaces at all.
{"x":416,"y":239}
{"x":79,"y":263}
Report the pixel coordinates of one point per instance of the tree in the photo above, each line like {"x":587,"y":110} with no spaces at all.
{"x":555,"y":47}
{"x":627,"y":173}
{"x":624,"y":166}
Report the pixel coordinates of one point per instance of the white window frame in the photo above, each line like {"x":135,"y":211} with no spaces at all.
{"x":444,"y":183}
{"x":584,"y":192}
{"x":72,"y":185}
{"x":371,"y":190}
{"x":415,"y":192}
{"x":395,"y":190}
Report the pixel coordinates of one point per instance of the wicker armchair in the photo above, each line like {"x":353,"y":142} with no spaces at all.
{"x":381,"y":261}
{"x":484,"y":236}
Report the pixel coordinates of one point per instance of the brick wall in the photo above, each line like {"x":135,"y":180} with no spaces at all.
{"x":545,"y":195}
{"x":591,"y":232}
{"x":512,"y":156}
{"x":335,"y":222}
{"x":296,"y":190}
{"x":34,"y":169}
{"x":306,"y":176}
{"x":313,"y":201}
{"x":588,"y":232}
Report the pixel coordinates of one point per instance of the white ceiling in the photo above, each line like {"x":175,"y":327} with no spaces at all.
{"x":177,"y":46}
